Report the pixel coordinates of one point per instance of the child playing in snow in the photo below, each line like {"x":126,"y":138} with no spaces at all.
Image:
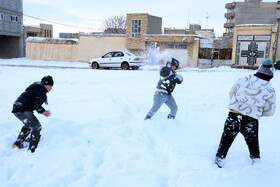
{"x":165,"y":87}
{"x":30,"y":100}
{"x":251,"y":98}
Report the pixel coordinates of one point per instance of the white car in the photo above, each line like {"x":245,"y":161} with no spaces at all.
{"x":118,"y":59}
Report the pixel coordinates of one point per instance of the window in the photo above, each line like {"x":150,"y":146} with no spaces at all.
{"x":128,"y":53}
{"x":176,"y":46}
{"x":1,"y":16}
{"x":31,"y":34}
{"x":108,"y":55}
{"x":136,"y":28}
{"x":14,"y":18}
{"x":118,"y":54}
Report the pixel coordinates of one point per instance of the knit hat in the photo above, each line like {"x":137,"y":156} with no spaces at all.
{"x":266,"y":69}
{"x":173,"y":62}
{"x":47,"y":80}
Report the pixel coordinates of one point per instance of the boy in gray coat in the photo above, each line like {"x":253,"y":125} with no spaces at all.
{"x":165,"y":87}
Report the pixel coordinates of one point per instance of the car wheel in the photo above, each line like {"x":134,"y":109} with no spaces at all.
{"x":125,"y":66}
{"x":94,"y":65}
{"x":135,"y":67}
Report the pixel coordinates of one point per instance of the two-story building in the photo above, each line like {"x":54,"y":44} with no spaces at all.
{"x":11,"y":29}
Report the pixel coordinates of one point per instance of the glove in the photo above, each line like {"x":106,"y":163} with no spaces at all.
{"x":165,"y":71}
{"x":179,"y":77}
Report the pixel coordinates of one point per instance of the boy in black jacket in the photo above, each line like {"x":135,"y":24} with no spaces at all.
{"x":32,"y":99}
{"x":165,"y":87}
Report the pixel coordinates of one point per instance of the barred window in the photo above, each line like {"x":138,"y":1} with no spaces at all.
{"x":14,"y":18}
{"x":176,"y":46}
{"x":136,"y":28}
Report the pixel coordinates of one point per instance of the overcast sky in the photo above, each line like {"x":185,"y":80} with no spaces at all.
{"x":91,"y":14}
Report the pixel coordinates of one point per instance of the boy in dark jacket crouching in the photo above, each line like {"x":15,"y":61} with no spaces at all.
{"x":32,"y":99}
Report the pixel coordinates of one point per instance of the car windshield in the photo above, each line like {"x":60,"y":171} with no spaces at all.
{"x":129,"y":54}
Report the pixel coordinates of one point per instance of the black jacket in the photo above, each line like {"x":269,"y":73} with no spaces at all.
{"x":32,"y":99}
{"x":168,"y":80}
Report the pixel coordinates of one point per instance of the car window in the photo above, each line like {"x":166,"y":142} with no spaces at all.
{"x":108,"y":55}
{"x":129,"y":54}
{"x":118,"y":54}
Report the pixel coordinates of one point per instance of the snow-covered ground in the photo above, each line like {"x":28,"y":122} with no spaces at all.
{"x":96,"y":135}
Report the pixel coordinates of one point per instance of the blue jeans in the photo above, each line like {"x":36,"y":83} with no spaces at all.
{"x":159,"y":99}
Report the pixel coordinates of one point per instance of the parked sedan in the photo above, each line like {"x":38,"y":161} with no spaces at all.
{"x":118,"y":59}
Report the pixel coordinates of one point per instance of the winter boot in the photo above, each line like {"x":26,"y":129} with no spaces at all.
{"x":34,"y":140}
{"x":255,"y":161}
{"x":170,"y":117}
{"x":20,"y":146}
{"x":147,"y":117}
{"x":219,"y":162}
{"x":25,"y":131}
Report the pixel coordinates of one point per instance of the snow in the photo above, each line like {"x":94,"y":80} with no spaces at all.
{"x":96,"y":135}
{"x":58,"y":40}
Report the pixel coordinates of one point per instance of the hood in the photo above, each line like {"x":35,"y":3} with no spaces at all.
{"x":256,"y":83}
{"x":36,"y":85}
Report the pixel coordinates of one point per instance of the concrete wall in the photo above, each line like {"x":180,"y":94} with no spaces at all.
{"x":255,"y":13}
{"x":88,"y":47}
{"x":94,"y":46}
{"x":11,"y":29}
{"x":154,"y":25}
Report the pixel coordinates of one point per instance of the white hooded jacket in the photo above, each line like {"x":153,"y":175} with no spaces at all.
{"x":253,"y":97}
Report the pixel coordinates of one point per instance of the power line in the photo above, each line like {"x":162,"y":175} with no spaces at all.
{"x":53,"y":22}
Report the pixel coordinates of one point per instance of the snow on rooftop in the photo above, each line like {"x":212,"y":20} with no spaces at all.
{"x":57,"y":40}
{"x":245,"y":25}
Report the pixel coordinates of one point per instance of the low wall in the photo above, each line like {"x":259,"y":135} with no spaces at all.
{"x":73,"y":50}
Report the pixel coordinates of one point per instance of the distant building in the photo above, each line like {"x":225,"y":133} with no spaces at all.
{"x":44,"y":30}
{"x":11,"y":29}
{"x":248,"y":12}
{"x":193,"y":29}
{"x":68,"y":35}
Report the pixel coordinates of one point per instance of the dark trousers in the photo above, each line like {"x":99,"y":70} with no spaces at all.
{"x":31,"y":125}
{"x":247,"y":126}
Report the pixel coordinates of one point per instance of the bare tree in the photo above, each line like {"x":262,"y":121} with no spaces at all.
{"x":115,"y":25}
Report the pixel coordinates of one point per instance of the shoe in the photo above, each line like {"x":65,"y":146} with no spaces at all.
{"x":147,"y":117}
{"x":18,"y":146}
{"x":255,"y":161}
{"x":170,"y":117}
{"x":219,"y":162}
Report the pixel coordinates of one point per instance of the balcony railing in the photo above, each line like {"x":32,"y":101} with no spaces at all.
{"x":230,"y":15}
{"x":230,"y":5}
{"x":228,"y":34}
{"x":226,"y":25}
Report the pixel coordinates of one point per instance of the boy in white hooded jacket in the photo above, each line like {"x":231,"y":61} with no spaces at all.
{"x":251,"y":98}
